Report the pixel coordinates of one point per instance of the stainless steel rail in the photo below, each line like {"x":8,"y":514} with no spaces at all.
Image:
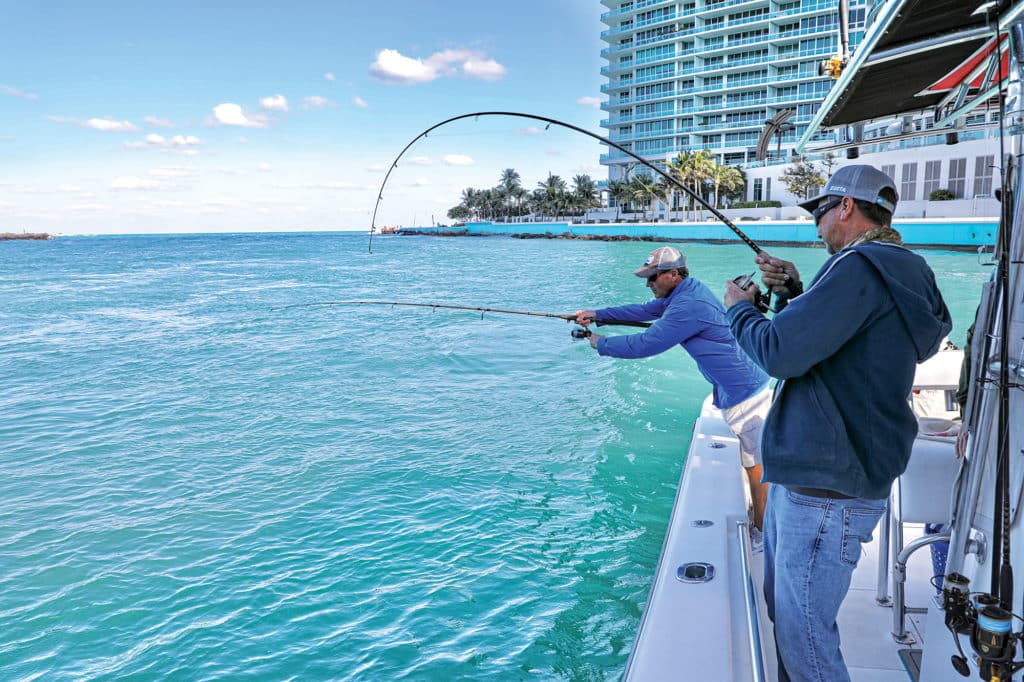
{"x":753,"y":621}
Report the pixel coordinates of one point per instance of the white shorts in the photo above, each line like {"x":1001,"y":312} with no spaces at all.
{"x":746,"y":420}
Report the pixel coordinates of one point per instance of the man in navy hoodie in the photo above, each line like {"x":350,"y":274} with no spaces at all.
{"x":840,"y":428}
{"x":687,"y":314}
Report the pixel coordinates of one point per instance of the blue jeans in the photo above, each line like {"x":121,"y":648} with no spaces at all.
{"x":811,"y":546}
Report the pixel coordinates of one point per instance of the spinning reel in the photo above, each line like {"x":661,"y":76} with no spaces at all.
{"x":989,"y":626}
{"x":761,"y":300}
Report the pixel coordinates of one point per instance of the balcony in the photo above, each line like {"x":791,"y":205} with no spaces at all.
{"x":647,"y":98}
{"x":727,"y":4}
{"x":814,"y":30}
{"x":643,"y":136}
{"x":642,"y":4}
{"x":821,"y":5}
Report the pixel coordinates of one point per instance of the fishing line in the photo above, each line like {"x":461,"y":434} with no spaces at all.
{"x":552,"y":121}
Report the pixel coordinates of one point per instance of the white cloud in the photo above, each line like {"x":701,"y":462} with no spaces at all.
{"x":264,"y":167}
{"x":133,"y":183}
{"x":158,"y":122}
{"x":231,"y":114}
{"x":329,"y":76}
{"x":243,"y":140}
{"x":376,"y":167}
{"x":391,"y":66}
{"x":420,"y":161}
{"x":3,"y":203}
{"x":166,"y":203}
{"x":335,"y":185}
{"x":15,"y":92}
{"x":316,"y":102}
{"x":483,"y":69}
{"x":172,"y":172}
{"x":275,"y":103}
{"x":179,"y":143}
{"x":360,"y":102}
{"x":593,"y":102}
{"x":529,"y":131}
{"x":68,"y":188}
{"x":109,"y":125}
{"x":421,"y":182}
{"x":458,"y":160}
{"x":88,"y":207}
{"x":552,"y":152}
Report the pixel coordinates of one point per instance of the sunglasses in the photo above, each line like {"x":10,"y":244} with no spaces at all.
{"x":656,"y":276}
{"x":819,"y":212}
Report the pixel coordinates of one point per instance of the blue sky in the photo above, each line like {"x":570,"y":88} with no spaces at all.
{"x":210,"y":116}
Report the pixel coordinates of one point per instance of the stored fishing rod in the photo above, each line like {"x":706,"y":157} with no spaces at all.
{"x":569,"y":317}
{"x":551,"y":121}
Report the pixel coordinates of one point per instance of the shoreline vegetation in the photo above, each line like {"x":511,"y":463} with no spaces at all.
{"x":7,"y":236}
{"x":634,"y":192}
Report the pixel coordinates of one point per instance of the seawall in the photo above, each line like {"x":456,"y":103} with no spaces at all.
{"x":952,"y":233}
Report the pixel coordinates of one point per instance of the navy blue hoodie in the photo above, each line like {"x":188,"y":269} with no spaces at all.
{"x":846,"y":351}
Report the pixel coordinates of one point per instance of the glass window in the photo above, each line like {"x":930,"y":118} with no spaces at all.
{"x":758,"y":189}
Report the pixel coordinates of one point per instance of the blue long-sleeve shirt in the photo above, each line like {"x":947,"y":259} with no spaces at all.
{"x":690,"y":316}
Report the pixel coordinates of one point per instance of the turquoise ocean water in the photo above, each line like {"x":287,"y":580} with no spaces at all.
{"x":197,"y":485}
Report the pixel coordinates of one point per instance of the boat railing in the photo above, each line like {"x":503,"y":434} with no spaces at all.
{"x":750,"y":598}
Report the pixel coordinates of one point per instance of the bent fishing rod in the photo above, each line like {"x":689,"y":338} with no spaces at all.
{"x":570,"y":317}
{"x":550,"y":122}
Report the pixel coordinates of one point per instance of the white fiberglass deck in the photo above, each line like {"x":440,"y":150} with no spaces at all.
{"x":700,"y":630}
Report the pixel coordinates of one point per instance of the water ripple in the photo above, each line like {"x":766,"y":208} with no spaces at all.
{"x":201,"y":485}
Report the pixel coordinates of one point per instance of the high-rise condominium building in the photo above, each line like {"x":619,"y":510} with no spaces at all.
{"x":685,"y":75}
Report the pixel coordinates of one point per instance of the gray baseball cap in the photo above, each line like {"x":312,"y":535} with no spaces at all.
{"x":661,"y":259}
{"x":859,"y":181}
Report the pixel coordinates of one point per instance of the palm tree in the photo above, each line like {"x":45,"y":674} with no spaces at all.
{"x":470,"y":201}
{"x":553,"y":193}
{"x":490,"y":200}
{"x":519,"y":195}
{"x":584,"y":192}
{"x":507,"y":185}
{"x":646,"y":191}
{"x":691,"y":169}
{"x":619,"y":190}
{"x":725,"y":178}
{"x":702,"y":165}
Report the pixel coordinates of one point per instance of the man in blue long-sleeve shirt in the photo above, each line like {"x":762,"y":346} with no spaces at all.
{"x":686,"y":313}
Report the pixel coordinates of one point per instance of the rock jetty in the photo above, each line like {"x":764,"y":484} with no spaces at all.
{"x":4,"y":236}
